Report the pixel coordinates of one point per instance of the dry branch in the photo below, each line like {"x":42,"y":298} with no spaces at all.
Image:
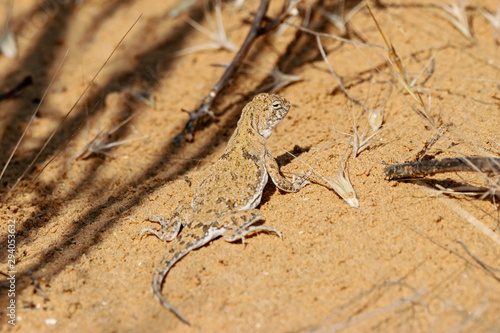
{"x":256,"y":30}
{"x":422,"y":168}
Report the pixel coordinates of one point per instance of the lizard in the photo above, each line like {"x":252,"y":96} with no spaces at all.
{"x":224,"y":203}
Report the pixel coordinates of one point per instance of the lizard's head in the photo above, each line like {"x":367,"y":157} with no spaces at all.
{"x":269,"y":110}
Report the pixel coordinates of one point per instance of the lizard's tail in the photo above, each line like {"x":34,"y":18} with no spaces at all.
{"x":159,"y":275}
{"x":178,"y":250}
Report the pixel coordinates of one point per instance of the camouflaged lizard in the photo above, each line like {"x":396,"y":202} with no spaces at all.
{"x":224,"y":204}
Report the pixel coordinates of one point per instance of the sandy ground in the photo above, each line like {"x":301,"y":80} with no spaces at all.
{"x":408,"y":259}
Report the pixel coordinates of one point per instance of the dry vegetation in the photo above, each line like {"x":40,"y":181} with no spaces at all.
{"x":91,"y":144}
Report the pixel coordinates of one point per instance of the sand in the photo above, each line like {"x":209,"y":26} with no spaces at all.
{"x":408,"y":259}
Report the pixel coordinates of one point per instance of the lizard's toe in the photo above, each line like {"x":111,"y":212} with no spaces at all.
{"x":149,"y":231}
{"x":159,"y":219}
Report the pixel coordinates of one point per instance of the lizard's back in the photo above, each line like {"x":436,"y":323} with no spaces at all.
{"x":237,"y":179}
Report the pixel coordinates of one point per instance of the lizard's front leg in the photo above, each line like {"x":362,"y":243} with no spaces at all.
{"x":281,"y":181}
{"x":169,"y":229}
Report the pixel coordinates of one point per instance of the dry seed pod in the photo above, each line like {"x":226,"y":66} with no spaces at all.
{"x":375,"y":118}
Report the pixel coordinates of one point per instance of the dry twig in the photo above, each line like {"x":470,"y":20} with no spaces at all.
{"x":256,"y":30}
{"x":422,"y":168}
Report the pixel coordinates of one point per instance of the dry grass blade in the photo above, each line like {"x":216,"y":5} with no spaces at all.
{"x":280,"y":80}
{"x":428,"y":70}
{"x":182,"y":6}
{"x":487,"y":268}
{"x":293,"y":14}
{"x":33,"y":116}
{"x":472,"y":220}
{"x":145,"y":96}
{"x":472,"y":191}
{"x":359,"y":142}
{"x":399,"y":71}
{"x":67,"y":115}
{"x":343,"y":187}
{"x":257,"y":29}
{"x":99,"y":144}
{"x":398,"y":304}
{"x":457,"y":16}
{"x":340,"y":39}
{"x":335,"y":76}
{"x":218,"y":36}
{"x":340,"y":20}
{"x":494,"y":21}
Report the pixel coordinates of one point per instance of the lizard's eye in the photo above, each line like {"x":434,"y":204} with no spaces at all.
{"x":276,"y":104}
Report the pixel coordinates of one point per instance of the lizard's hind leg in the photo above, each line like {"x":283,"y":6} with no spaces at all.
{"x":239,"y":224}
{"x":169,"y":229}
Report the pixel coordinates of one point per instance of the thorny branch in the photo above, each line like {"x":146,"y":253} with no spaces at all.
{"x":257,"y":29}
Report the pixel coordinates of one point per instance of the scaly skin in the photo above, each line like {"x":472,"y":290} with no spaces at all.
{"x":224,"y":204}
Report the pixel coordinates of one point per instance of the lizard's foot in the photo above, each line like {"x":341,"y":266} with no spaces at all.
{"x":168,"y":229}
{"x":301,"y":181}
{"x":240,"y":234}
{"x":239,"y":224}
